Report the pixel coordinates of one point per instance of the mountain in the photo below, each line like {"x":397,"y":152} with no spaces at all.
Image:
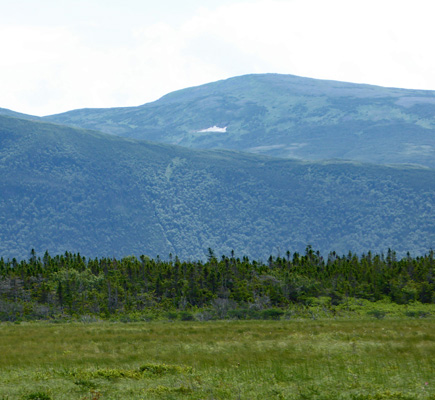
{"x":283,"y":116}
{"x":10,"y":113}
{"x":67,"y":189}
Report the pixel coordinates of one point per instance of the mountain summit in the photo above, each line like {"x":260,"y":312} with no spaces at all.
{"x":284,"y":116}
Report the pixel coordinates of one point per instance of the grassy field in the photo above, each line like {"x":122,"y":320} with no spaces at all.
{"x":296,"y":359}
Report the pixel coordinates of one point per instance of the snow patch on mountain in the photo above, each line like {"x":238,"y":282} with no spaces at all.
{"x":213,"y":129}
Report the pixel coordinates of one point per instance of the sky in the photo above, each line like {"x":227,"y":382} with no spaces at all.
{"x":59,"y":55}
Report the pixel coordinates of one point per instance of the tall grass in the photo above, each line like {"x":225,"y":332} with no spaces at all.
{"x":305,"y":359}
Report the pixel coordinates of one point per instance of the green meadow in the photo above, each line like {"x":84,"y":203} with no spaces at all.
{"x":358,"y":359}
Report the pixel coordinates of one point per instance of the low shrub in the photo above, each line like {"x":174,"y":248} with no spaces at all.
{"x":272,"y":313}
{"x":37,"y":396}
{"x":186,"y":316}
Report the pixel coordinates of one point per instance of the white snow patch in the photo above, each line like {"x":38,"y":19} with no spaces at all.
{"x":214,"y":129}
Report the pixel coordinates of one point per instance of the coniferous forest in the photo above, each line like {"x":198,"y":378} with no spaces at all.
{"x":129,"y":289}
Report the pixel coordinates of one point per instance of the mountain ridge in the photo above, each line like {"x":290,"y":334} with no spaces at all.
{"x":68,"y":189}
{"x":282,"y":116}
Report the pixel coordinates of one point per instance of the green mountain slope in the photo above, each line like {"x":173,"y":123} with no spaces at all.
{"x":82,"y":191}
{"x":284,"y":116}
{"x":10,"y":113}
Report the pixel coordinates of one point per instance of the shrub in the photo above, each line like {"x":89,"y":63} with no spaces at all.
{"x":186,"y":316}
{"x":272,"y":313}
{"x":417,"y":314}
{"x":37,"y":396}
{"x":378,"y":314}
{"x":160,"y":369}
{"x":171,"y":315}
{"x":239,"y":313}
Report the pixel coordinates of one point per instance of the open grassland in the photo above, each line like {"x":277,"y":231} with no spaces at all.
{"x":295,"y":359}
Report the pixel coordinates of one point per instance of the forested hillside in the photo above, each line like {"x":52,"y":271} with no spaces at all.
{"x":65,"y":189}
{"x":282,"y":115}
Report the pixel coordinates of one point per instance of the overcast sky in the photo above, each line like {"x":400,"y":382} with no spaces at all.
{"x":58,"y":55}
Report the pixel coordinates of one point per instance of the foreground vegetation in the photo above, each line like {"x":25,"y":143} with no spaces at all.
{"x":300,"y":359}
{"x":296,"y":327}
{"x":70,"y":286}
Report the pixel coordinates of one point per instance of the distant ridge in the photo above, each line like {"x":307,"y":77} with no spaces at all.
{"x":10,"y":113}
{"x":283,"y":116}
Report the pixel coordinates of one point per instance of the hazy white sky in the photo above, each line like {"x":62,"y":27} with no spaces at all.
{"x":58,"y":55}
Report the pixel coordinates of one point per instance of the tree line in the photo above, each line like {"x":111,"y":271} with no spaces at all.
{"x":73,"y":285}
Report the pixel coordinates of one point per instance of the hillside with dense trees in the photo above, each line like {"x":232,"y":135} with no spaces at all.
{"x":66,"y":189}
